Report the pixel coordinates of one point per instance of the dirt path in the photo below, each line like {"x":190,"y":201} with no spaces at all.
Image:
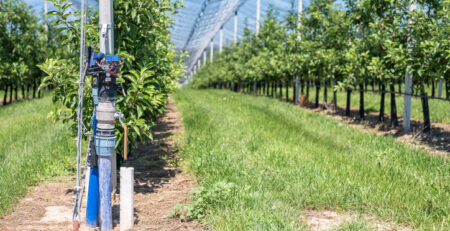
{"x":159,"y":184}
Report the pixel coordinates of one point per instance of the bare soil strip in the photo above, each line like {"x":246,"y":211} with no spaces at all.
{"x":159,"y":185}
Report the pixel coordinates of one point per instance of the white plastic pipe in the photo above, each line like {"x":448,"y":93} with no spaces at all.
{"x":126,"y":198}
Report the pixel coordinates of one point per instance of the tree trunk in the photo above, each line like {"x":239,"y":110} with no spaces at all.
{"x":15,"y":92}
{"x":6,"y":95}
{"x":302,"y":87}
{"x":281,"y":89}
{"x":373,"y":85}
{"x":325,"y":94}
{"x":394,"y":118}
{"x":316,"y":105}
{"x":432,"y":89}
{"x":11,"y":93}
{"x":293,"y":91}
{"x":334,"y":97}
{"x":287,"y":91}
{"x":425,"y":109}
{"x":28,"y":91}
{"x":34,"y":89}
{"x":347,"y":106}
{"x":382,"y":92}
{"x":23,"y":91}
{"x":447,"y":89}
{"x":361,"y":101}
{"x":400,"y":86}
{"x":307,"y":89}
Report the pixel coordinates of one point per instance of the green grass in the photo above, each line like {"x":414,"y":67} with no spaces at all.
{"x":439,"y":109}
{"x":260,"y":162}
{"x":32,"y":149}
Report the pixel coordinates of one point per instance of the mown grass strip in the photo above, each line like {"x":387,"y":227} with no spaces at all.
{"x":32,"y":149}
{"x":262,"y":162}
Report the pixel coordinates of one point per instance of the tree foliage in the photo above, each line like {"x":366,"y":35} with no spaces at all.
{"x":367,"y":41}
{"x":150,"y":69}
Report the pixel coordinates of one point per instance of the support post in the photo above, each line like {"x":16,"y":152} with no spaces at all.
{"x":221,"y":40}
{"x":441,"y":85}
{"x":299,"y":17}
{"x":235,"y":26}
{"x":204,"y":57}
{"x":211,"y":51}
{"x":258,"y":15}
{"x":297,"y":86}
{"x":126,"y":198}
{"x":45,"y":16}
{"x":105,"y":163}
{"x":408,"y":82}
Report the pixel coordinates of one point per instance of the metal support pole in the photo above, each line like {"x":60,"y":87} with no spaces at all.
{"x":258,"y":15}
{"x":441,"y":85}
{"x":211,"y":55}
{"x":408,"y":81}
{"x":299,"y":17}
{"x":105,"y":162}
{"x":297,"y":86}
{"x":235,"y":26}
{"x":45,"y":16}
{"x":204,"y":57}
{"x":299,"y":36}
{"x":221,"y":40}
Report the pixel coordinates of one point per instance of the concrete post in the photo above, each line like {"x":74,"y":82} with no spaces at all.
{"x":441,"y":85}
{"x":211,"y":55}
{"x":299,"y":17}
{"x":408,"y":82}
{"x":258,"y":15}
{"x":221,"y":40}
{"x":204,"y":57}
{"x":235,"y":26}
{"x":126,"y":198}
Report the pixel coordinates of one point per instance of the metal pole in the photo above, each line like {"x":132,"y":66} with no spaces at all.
{"x":105,"y":161}
{"x":45,"y":15}
{"x":299,"y":16}
{"x":211,"y":55}
{"x":297,"y":79}
{"x":204,"y":57}
{"x":408,"y":81}
{"x":221,"y":40}
{"x":235,"y":26}
{"x":258,"y":15}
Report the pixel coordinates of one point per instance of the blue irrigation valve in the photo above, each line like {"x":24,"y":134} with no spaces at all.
{"x":112,"y":58}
